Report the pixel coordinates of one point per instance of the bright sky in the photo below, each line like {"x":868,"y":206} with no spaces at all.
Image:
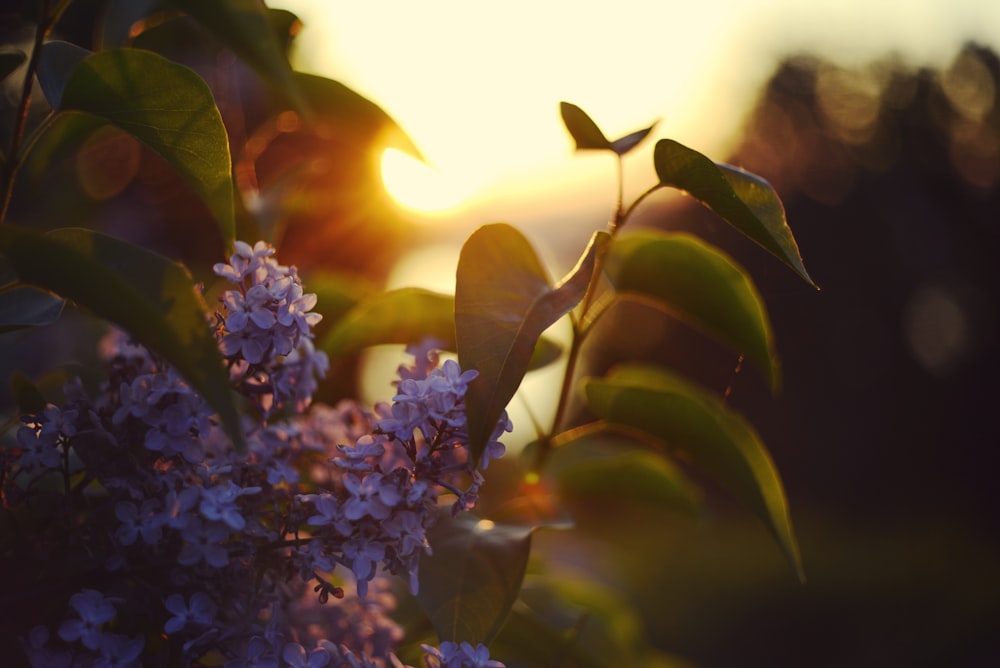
{"x":477,"y":84}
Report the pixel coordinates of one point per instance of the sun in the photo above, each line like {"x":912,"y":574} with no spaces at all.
{"x":420,"y":187}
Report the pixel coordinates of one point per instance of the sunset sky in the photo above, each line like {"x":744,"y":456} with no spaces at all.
{"x":477,"y":85}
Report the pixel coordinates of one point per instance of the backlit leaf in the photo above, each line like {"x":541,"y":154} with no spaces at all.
{"x":168,"y":108}
{"x":144,"y":293}
{"x":503,"y":303}
{"x":604,"y":465}
{"x":717,"y":440}
{"x":700,"y":285}
{"x":623,"y":145}
{"x":582,"y":128}
{"x":244,"y":27}
{"x":408,"y":315}
{"x":472,"y":578}
{"x":356,"y":120}
{"x":745,"y":200}
{"x":22,"y":306}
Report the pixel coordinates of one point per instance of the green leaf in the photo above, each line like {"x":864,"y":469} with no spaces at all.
{"x":603,"y":465}
{"x":244,"y":27}
{"x":28,"y":397}
{"x":700,"y":285}
{"x":167,"y":107}
{"x":10,"y":61}
{"x":356,"y":120}
{"x":503,"y":303}
{"x":472,"y":578}
{"x":408,"y":315}
{"x":146,"y":294}
{"x":22,"y":306}
{"x":582,"y":128}
{"x":745,"y":200}
{"x":717,"y":440}
{"x":57,"y":62}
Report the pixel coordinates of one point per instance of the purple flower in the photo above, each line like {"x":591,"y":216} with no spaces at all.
{"x":94,"y":610}
{"x":219,"y":503}
{"x":143,"y":521}
{"x":374,"y":496}
{"x":118,"y":651}
{"x":454,"y":655}
{"x":200,"y":611}
{"x":202,"y":543}
{"x":259,"y":654}
{"x":296,"y":656}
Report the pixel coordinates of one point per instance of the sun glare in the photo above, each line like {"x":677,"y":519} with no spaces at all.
{"x":420,"y":187}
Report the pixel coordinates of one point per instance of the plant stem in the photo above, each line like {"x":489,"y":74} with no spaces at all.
{"x":45,"y":24}
{"x":580,"y":331}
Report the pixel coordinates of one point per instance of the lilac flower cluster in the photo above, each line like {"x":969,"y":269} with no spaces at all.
{"x":266,"y":332}
{"x":176,"y":550}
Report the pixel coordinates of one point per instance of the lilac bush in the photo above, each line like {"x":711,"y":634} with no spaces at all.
{"x":276,"y":557}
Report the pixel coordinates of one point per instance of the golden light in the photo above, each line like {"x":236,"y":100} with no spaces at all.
{"x":420,"y":187}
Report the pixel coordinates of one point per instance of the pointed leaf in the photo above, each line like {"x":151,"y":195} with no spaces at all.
{"x":244,"y":27}
{"x":57,"y":62}
{"x":358,"y":121}
{"x":700,"y":285}
{"x":605,"y":464}
{"x":472,"y":578}
{"x":623,"y":145}
{"x":582,"y":128}
{"x":146,"y":294}
{"x":167,"y":107}
{"x":10,"y":61}
{"x":745,"y":200}
{"x":22,"y":306}
{"x":503,"y":303}
{"x":408,"y":315}
{"x":717,"y":440}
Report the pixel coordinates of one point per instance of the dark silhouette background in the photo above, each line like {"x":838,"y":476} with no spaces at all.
{"x":885,"y":432}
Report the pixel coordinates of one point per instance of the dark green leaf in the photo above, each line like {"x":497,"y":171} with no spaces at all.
{"x":717,"y":440}
{"x":472,"y":578}
{"x":244,"y":27}
{"x":623,"y":145}
{"x":582,"y":128}
{"x":604,"y":465}
{"x":746,"y":201}
{"x":26,"y":394}
{"x":10,"y":61}
{"x":503,"y":303}
{"x":147,"y":295}
{"x":355,"y":119}
{"x":700,"y":285}
{"x":408,"y":315}
{"x":57,"y":62}
{"x":22,"y":306}
{"x":168,"y":108}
